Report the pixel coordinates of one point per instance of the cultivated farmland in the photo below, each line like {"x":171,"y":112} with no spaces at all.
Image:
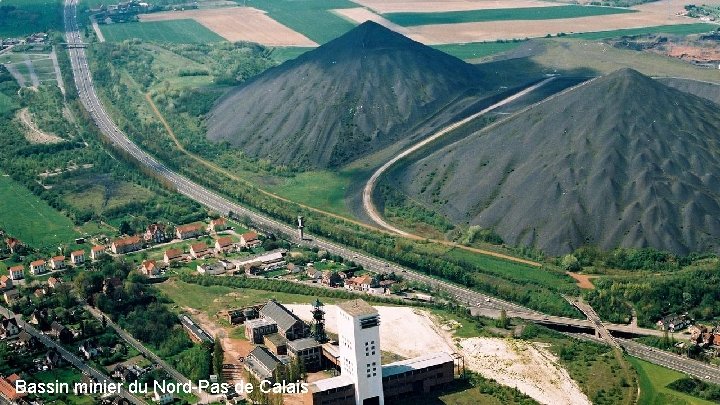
{"x":239,"y":24}
{"x":507,"y":14}
{"x":429,"y":6}
{"x":176,"y":31}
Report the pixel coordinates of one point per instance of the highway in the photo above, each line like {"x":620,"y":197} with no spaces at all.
{"x":91,"y":102}
{"x":70,"y":357}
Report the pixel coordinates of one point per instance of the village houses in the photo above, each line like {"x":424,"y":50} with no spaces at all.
{"x":17,"y":273}
{"x":6,"y":283}
{"x":57,"y":262}
{"x":38,"y":267}
{"x":126,"y":245}
{"x":249,"y":240}
{"x":189,"y":231}
{"x":172,"y":255}
{"x":96,"y":252}
{"x":224,"y":244}
{"x":199,"y":250}
{"x":217,"y":225}
{"x":149,"y":268}
{"x":155,"y":233}
{"x":77,"y":257}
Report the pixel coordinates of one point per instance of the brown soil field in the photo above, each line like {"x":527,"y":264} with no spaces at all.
{"x":583,"y":280}
{"x":663,"y":12}
{"x":419,"y":6}
{"x":239,"y":24}
{"x":693,"y":53}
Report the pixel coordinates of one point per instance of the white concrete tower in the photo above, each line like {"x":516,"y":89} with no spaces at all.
{"x":359,"y":333}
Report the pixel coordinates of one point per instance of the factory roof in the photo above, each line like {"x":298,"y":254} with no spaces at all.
{"x":302,"y":344}
{"x":417,"y":363}
{"x":330,"y":383}
{"x":357,"y":307}
{"x":276,"y":339}
{"x":281,"y":315}
{"x":256,"y":323}
{"x":262,"y":361}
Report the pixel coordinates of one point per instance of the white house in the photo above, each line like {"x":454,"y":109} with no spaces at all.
{"x":77,"y":257}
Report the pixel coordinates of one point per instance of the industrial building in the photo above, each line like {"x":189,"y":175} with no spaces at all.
{"x":363,"y":380}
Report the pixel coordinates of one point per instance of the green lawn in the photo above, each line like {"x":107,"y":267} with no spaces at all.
{"x":30,"y":219}
{"x":503,"y":14}
{"x":64,"y":375}
{"x":653,"y":381}
{"x":320,"y":189}
{"x":681,"y":29}
{"x":212,"y":299}
{"x":311,"y":18}
{"x":175,"y":31}
{"x":23,"y":17}
{"x":476,"y":50}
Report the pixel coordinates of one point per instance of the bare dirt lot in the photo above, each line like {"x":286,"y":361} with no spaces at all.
{"x":238,"y":24}
{"x":583,"y":280}
{"x":33,"y":134}
{"x":663,"y":12}
{"x":419,"y":6}
{"x":528,"y":366}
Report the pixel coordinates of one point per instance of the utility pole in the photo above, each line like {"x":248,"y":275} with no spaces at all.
{"x":300,"y":226}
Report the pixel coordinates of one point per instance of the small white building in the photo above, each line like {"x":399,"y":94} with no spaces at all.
{"x":57,"y":262}
{"x":96,"y":252}
{"x":38,"y":267}
{"x":16,"y":273}
{"x":77,"y":257}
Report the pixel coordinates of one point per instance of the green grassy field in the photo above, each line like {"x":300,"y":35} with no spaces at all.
{"x":175,"y":31}
{"x":281,"y":54}
{"x":30,"y":219}
{"x":653,"y":381}
{"x":515,"y":271}
{"x":20,"y":18}
{"x":311,"y":18}
{"x":503,"y":14}
{"x":99,"y":198}
{"x":319,"y":189}
{"x":476,"y":50}
{"x":212,"y":299}
{"x":681,"y":29}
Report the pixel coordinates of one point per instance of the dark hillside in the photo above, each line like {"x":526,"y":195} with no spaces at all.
{"x":348,"y":98}
{"x":622,"y":161}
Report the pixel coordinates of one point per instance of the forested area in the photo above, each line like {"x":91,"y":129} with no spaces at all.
{"x":695,"y":290}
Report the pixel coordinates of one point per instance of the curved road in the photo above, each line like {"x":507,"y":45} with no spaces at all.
{"x":369,"y":204}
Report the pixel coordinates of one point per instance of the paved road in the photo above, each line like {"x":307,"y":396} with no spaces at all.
{"x":367,"y":196}
{"x":694,"y":368}
{"x":172,"y":372}
{"x":70,"y":357}
{"x":593,"y":317}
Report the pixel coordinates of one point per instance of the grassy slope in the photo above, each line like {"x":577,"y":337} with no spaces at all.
{"x":311,"y":18}
{"x":653,"y":385}
{"x":176,"y":31}
{"x":32,"y":220}
{"x":476,"y":50}
{"x":503,"y":14}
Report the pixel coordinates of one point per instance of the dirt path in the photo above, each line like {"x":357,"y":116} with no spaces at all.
{"x":58,"y":75}
{"x":34,"y":134}
{"x":96,"y":28}
{"x":232,"y":176}
{"x":430,"y":6}
{"x":31,"y":71}
{"x":583,"y":280}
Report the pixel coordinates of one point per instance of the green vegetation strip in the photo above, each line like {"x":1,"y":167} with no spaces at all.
{"x":312,"y":18}
{"x":476,"y":50}
{"x":680,"y":29}
{"x":502,"y":14}
{"x":653,"y":385}
{"x":30,"y":219}
{"x":175,"y":31}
